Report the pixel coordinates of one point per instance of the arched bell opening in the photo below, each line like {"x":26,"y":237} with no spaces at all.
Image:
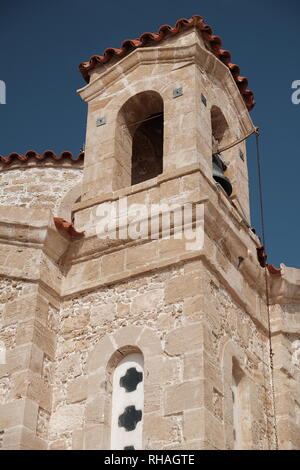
{"x":140,"y":137}
{"x":147,"y":149}
{"x":220,"y":138}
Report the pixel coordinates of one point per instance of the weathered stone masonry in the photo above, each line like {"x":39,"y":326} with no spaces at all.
{"x":71,"y":309}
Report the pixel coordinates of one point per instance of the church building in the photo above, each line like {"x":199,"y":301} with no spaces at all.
{"x":118,"y":329}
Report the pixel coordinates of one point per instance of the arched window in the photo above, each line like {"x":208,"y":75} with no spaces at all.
{"x":72,"y":213}
{"x":147,"y":149}
{"x":240,"y":407}
{"x":128,"y":403}
{"x":220,"y":138}
{"x":140,"y":136}
{"x":65,"y":209}
{"x":219,"y":129}
{"x":2,"y":353}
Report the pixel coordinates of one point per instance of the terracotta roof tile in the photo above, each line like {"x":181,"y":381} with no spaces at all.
{"x":68,"y":227}
{"x":262,"y":258}
{"x":273,"y":270}
{"x":47,"y":154}
{"x":145,"y":39}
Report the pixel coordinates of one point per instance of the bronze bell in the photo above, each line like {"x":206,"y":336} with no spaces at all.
{"x":218,"y":173}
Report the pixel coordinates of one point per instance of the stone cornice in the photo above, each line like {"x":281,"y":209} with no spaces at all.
{"x":216,"y":225}
{"x":183,"y":28}
{"x":285,"y":289}
{"x":137,"y":188}
{"x":191,"y":54}
{"x":27,"y":229}
{"x":224,"y":233}
{"x":40,"y":233}
{"x":34,"y":249}
{"x":31,"y":228}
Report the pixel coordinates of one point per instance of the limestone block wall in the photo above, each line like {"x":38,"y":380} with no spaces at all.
{"x":27,"y":340}
{"x":286,"y":347}
{"x":81,"y":318}
{"x":182,"y":320}
{"x":10,"y":293}
{"x":24,"y":394}
{"x":38,"y":186}
{"x":190,"y":326}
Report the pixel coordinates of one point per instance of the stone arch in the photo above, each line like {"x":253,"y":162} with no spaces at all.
{"x":102,"y":361}
{"x":220,"y":130}
{"x":139,"y":137}
{"x":237,"y":397}
{"x":221,"y":137}
{"x":230,"y":349}
{"x":127,"y":401}
{"x":68,"y":201}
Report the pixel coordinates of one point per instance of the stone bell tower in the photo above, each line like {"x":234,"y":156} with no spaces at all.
{"x":159,"y":108}
{"x":154,"y":342}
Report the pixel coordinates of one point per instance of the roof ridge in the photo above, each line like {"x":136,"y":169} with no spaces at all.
{"x":46,"y":154}
{"x":215,"y":43}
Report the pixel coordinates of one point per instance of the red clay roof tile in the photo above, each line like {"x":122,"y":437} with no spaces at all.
{"x":68,"y":227}
{"x":47,"y":154}
{"x":262,"y":258}
{"x":273,"y":270}
{"x":214,"y":42}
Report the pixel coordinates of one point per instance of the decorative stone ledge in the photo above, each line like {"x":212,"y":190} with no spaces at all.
{"x":192,"y":54}
{"x":286,"y":288}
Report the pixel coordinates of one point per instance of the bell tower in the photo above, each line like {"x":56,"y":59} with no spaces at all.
{"x":163,"y":111}
{"x":134,"y":306}
{"x":183,"y":77}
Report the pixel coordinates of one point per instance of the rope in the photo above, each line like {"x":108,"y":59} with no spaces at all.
{"x":262,"y":220}
{"x":143,"y":120}
{"x":236,"y":142}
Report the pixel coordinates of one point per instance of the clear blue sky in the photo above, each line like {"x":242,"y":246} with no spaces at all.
{"x":42,"y":43}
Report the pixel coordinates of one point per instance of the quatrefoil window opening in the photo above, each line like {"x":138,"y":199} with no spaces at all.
{"x":131,"y":379}
{"x":128,"y":403}
{"x":130,"y":418}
